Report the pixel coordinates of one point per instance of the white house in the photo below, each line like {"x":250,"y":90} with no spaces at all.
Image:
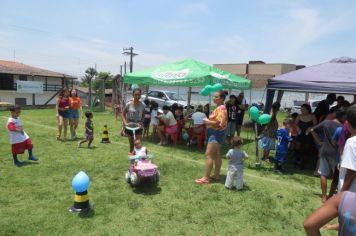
{"x":27,"y":85}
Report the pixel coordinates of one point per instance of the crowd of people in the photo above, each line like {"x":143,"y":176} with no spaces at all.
{"x":324,"y":139}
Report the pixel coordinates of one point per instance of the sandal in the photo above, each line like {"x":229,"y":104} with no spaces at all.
{"x":202,"y":181}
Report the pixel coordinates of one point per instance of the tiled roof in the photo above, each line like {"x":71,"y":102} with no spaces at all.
{"x":11,"y":67}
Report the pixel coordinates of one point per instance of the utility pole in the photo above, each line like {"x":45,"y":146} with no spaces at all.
{"x":125,"y":68}
{"x":121,"y":70}
{"x":129,"y":51}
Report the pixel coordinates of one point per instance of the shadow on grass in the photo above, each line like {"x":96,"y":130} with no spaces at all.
{"x":28,"y":163}
{"x":87,"y":215}
{"x":147,"y":189}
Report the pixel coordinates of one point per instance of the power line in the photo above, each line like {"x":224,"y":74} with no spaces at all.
{"x":129,"y":51}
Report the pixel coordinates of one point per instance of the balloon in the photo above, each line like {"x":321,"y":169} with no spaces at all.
{"x":80,"y":182}
{"x":204,"y":92}
{"x":264,"y":119}
{"x":217,"y":87}
{"x":208,"y":88}
{"x":185,"y":136}
{"x":254,"y":113}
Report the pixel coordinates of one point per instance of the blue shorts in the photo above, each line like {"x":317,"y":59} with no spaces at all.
{"x":267,"y":143}
{"x":216,"y":136}
{"x":74,"y":114}
{"x":280,"y":157}
{"x":65,"y":114}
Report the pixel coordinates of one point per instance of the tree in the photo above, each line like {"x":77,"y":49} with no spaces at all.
{"x":90,"y":73}
{"x":106,"y":76}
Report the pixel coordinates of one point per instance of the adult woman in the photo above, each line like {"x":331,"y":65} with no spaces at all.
{"x":62,"y":113}
{"x":216,"y":124}
{"x":169,"y":124}
{"x":133,"y":113}
{"x":75,"y":106}
{"x":305,"y":140}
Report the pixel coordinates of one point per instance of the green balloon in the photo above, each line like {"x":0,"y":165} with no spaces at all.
{"x":264,"y":119}
{"x":204,"y":92}
{"x":208,"y":88}
{"x":254,"y":113}
{"x":217,"y":87}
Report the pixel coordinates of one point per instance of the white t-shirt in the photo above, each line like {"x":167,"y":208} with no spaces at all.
{"x":154,"y":120}
{"x":142,"y":152}
{"x":170,"y":118}
{"x":198,"y":118}
{"x":348,"y":161}
{"x":16,"y":137}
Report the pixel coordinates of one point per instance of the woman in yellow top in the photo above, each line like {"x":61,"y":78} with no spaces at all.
{"x":216,"y":125}
{"x":75,"y":106}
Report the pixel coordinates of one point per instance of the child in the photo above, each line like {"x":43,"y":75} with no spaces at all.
{"x":154,"y":120}
{"x":267,"y":142}
{"x":19,"y":140}
{"x":294,"y":134}
{"x":283,"y":140}
{"x":328,"y":152}
{"x":139,"y":150}
{"x":147,"y":118}
{"x":235,"y":171}
{"x":89,"y":130}
{"x":232,"y":108}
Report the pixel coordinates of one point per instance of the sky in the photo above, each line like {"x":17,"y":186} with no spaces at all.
{"x":69,"y":36}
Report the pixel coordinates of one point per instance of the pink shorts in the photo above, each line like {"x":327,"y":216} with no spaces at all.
{"x":171,"y":129}
{"x":19,"y":148}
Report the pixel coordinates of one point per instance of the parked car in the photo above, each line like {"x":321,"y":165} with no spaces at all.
{"x":297,"y":105}
{"x":165,"y":98}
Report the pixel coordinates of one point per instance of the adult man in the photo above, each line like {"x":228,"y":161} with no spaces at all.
{"x":322,"y":110}
{"x":242,"y":107}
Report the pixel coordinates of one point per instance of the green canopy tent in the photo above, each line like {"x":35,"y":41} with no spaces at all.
{"x":187,"y":73}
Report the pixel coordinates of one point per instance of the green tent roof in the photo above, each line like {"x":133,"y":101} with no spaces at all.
{"x":188,"y":73}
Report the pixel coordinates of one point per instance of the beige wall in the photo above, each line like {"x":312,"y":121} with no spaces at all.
{"x":257,"y":73}
{"x":238,"y":69}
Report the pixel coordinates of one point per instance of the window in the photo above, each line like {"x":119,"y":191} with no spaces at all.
{"x":6,"y":82}
{"x":23,"y":77}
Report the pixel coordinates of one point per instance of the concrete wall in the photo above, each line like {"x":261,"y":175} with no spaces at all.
{"x":40,"y":99}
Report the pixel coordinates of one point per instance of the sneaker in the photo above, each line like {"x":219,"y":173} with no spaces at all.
{"x":18,"y":163}
{"x":32,"y":158}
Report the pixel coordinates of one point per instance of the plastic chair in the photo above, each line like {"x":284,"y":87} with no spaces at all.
{"x":199,"y":136}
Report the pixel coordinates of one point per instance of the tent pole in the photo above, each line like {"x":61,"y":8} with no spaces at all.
{"x":250,"y":96}
{"x":189,"y":98}
{"x":306,"y":99}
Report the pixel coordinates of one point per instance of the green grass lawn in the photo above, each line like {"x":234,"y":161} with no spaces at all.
{"x":34,"y":199}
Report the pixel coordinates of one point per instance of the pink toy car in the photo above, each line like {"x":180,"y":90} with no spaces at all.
{"x":141,"y":168}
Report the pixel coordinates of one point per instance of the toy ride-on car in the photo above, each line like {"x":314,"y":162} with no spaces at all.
{"x":141,"y":168}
